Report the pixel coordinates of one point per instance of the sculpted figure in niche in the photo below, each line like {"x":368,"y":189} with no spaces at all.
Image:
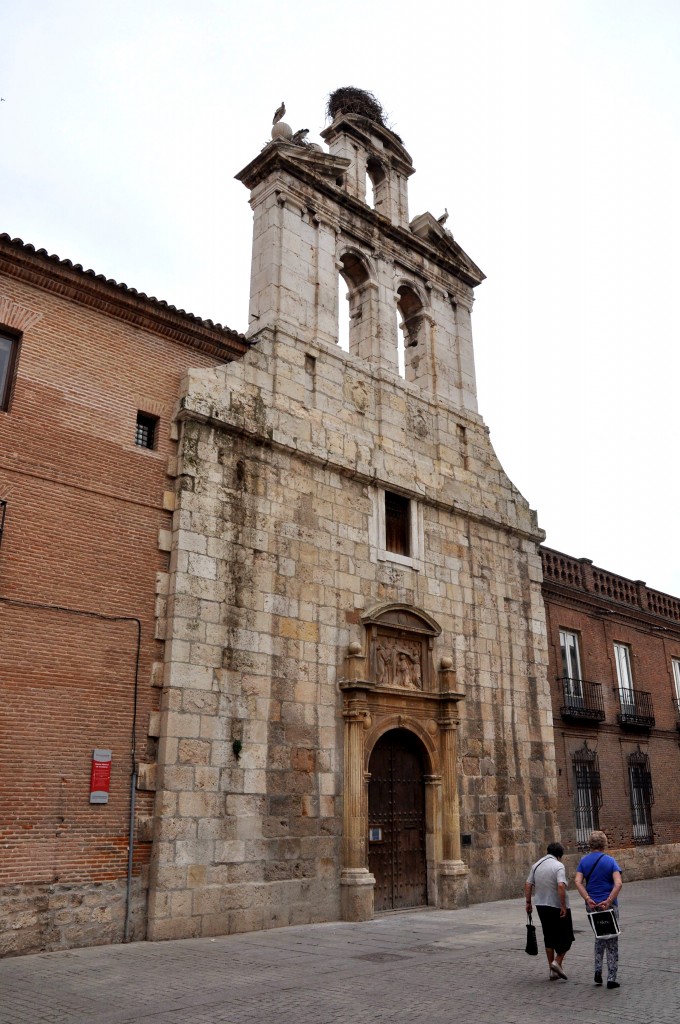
{"x":397,"y":663}
{"x":408,"y":671}
{"x":383,"y":662}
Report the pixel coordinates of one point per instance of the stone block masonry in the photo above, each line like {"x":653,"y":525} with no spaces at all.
{"x":292,"y":569}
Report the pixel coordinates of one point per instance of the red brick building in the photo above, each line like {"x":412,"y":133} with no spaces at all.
{"x":89,"y":374}
{"x":614,"y":671}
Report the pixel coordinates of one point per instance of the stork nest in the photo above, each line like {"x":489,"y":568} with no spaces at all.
{"x":349,"y":100}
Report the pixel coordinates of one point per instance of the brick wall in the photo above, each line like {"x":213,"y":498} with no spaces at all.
{"x":84,"y":510}
{"x":602,"y":608}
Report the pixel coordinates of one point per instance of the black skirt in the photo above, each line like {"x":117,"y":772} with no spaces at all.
{"x":558,"y":932}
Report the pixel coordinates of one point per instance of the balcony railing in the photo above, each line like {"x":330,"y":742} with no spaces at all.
{"x":637,"y":709}
{"x":581,"y":700}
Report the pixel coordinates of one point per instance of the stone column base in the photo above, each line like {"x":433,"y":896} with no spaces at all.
{"x":453,"y":884}
{"x":356,"y":894}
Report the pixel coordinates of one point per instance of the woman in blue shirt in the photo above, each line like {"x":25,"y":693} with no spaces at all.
{"x":598,"y":879}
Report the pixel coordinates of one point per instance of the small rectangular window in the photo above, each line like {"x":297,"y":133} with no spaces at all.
{"x":397,"y":524}
{"x":8,"y":351}
{"x":145,"y":435}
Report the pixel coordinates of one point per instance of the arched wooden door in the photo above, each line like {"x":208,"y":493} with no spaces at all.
{"x":396,"y":819}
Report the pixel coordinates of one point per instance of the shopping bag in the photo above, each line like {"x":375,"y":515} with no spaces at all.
{"x":604,"y":923}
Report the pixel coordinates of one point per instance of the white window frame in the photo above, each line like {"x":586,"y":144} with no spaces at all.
{"x":624,"y":674}
{"x":675,"y":662}
{"x":379,"y":552}
{"x":571,"y":662}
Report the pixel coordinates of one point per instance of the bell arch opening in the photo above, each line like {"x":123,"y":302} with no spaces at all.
{"x":354,"y":272}
{"x":412,"y":331}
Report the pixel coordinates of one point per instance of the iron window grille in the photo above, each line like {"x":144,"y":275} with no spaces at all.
{"x":145,"y":433}
{"x":587,"y":793}
{"x":641,"y":797}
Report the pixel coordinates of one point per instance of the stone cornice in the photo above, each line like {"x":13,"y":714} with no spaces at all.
{"x":69,"y":281}
{"x":454,"y":261}
{"x":609,"y":610}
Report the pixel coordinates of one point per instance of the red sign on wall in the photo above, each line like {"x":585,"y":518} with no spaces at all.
{"x":100,"y":776}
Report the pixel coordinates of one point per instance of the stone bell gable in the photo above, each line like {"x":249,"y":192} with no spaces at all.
{"x":355,"y":583}
{"x":311,"y":223}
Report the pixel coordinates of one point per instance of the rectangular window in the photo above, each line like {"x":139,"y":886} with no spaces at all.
{"x":8,"y":351}
{"x":145,"y":434}
{"x":396,"y":529}
{"x":676,"y":680}
{"x":624,"y":677}
{"x":397,"y":524}
{"x":587,"y":796}
{"x":571,"y":667}
{"x":641,"y":798}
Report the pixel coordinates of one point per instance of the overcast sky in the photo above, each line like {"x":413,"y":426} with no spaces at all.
{"x":549,"y":129}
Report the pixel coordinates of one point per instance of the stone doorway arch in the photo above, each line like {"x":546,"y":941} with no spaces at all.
{"x":390,"y":683}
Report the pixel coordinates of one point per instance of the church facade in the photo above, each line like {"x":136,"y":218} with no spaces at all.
{"x":355,"y":668}
{"x":273,"y":617}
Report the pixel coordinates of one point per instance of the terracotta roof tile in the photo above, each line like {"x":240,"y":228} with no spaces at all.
{"x":29,"y":249}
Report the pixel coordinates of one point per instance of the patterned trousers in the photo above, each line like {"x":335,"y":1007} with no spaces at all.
{"x":611,"y":948}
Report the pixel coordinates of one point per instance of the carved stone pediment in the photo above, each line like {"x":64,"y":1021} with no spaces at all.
{"x":399,"y":647}
{"x":403,"y":617}
{"x":428,"y":228}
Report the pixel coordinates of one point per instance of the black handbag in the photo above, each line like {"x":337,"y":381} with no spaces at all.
{"x":532,"y":945}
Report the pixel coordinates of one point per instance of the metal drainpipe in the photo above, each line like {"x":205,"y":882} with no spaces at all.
{"x":131,"y":844}
{"x":133,"y":743}
{"x":133,"y":786}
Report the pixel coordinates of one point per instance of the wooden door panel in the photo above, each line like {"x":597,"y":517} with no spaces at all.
{"x":396,"y":801}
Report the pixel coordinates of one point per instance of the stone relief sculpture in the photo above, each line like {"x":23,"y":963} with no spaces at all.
{"x":397,"y":663}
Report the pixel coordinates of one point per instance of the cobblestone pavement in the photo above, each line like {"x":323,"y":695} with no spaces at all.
{"x":428,"y":966}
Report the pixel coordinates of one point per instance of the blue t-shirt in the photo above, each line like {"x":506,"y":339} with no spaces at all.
{"x":601,"y":881}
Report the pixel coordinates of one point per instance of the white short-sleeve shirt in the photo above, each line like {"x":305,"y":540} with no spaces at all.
{"x":545,"y":876}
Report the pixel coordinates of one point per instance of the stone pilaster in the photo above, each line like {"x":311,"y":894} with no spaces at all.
{"x":452,"y":871}
{"x":356,"y":881}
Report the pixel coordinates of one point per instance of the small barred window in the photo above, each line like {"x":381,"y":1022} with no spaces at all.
{"x":145,"y":434}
